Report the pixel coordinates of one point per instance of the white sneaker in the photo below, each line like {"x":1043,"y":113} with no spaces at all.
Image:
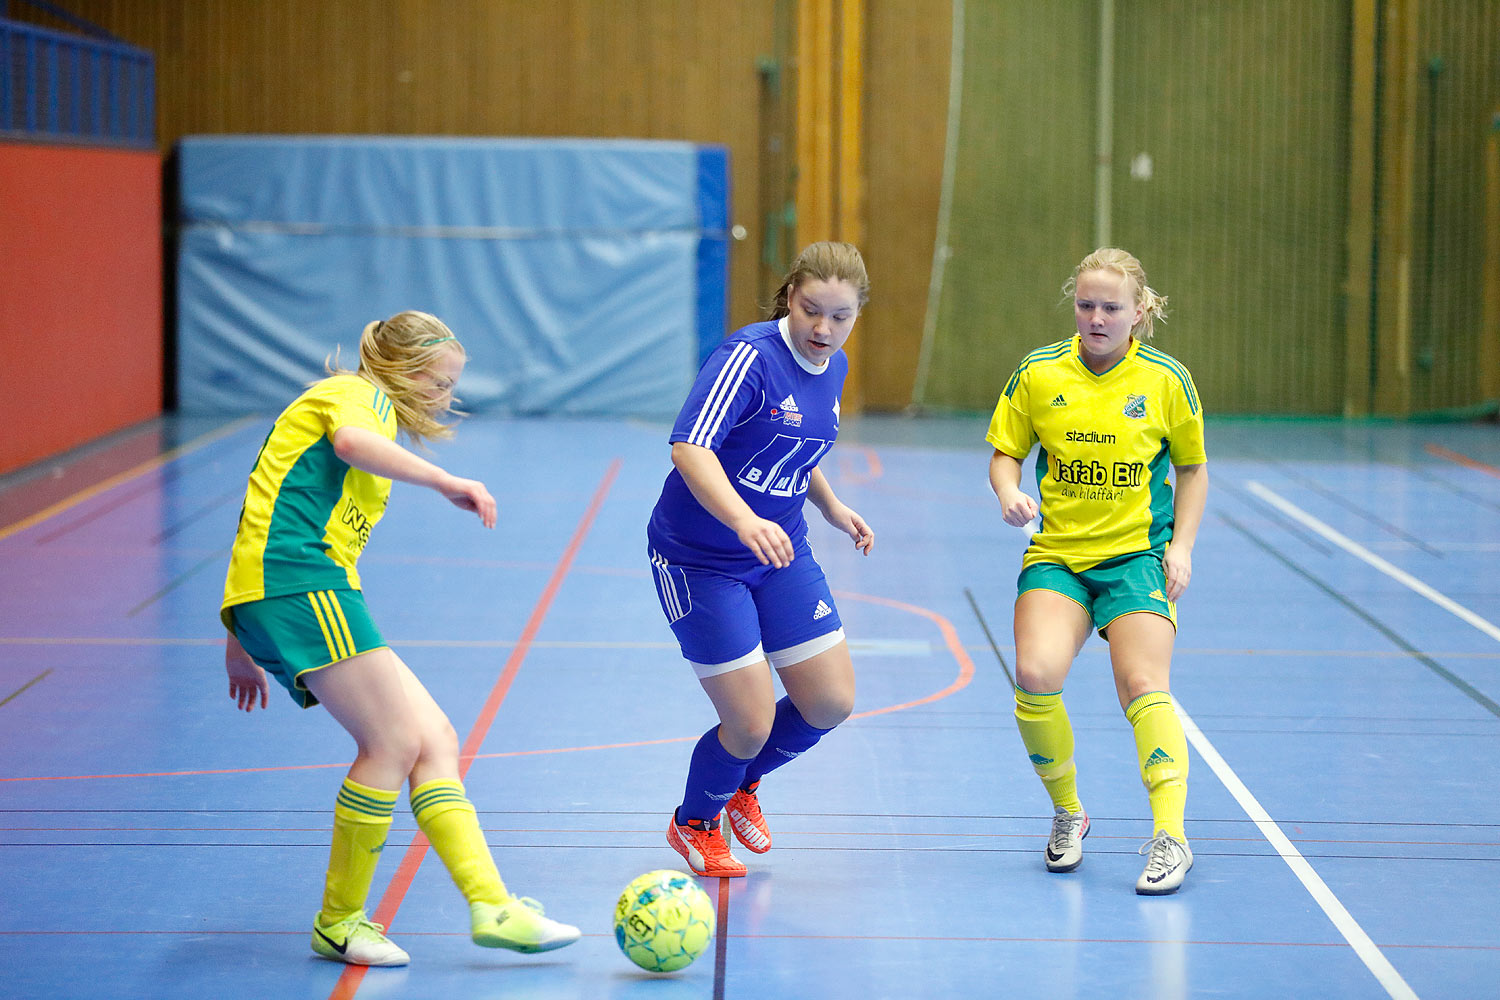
{"x":1167,"y":863}
{"x":356,"y":940}
{"x":1065,"y":846}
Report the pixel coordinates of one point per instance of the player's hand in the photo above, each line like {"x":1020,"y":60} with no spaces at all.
{"x":851,"y":524}
{"x":1017,"y":508}
{"x":1178,"y":562}
{"x":246,"y":678}
{"x":470,"y":494}
{"x":767,"y":540}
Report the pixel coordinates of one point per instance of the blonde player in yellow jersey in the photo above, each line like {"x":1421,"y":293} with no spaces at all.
{"x":294,"y":608}
{"x":1115,"y":546}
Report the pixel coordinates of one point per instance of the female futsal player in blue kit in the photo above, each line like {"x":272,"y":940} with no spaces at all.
{"x":728,"y":545}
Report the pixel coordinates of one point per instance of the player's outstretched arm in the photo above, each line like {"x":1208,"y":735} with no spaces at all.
{"x":1016,"y":506}
{"x":380,"y":456}
{"x":1188,"y":502}
{"x":709,"y":484}
{"x":837,"y":513}
{"x":246,"y":678}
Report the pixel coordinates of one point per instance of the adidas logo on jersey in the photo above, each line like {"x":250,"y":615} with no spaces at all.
{"x":1158,"y":595}
{"x":1059,"y":401}
{"x":821,"y":611}
{"x":789,"y":405}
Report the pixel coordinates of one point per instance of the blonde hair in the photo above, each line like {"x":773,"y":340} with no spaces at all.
{"x":827,"y":261}
{"x":1122,"y":263}
{"x":391,"y":353}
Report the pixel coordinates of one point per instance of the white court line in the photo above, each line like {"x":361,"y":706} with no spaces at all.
{"x":1366,"y":949}
{"x":1359,"y":551}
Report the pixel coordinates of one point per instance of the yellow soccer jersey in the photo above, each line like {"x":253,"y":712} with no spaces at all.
{"x":1108,"y":442}
{"x":307,"y":513}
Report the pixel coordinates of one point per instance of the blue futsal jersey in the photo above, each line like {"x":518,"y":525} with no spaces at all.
{"x":770,"y":415}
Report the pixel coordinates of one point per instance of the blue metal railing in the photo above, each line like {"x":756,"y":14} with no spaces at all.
{"x":55,"y":85}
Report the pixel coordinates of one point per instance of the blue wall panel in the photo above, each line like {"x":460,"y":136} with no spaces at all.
{"x":583,"y":276}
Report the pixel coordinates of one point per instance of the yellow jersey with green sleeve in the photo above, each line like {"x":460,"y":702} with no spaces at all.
{"x":307,"y":513}
{"x":1107,"y":446}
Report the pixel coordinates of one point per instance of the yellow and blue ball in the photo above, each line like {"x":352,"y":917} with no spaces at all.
{"x":663,"y":921}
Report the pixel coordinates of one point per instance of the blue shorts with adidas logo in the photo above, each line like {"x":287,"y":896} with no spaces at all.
{"x":727,"y":620}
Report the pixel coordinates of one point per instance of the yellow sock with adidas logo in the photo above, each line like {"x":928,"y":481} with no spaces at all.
{"x":361,"y":822}
{"x":448,"y":820}
{"x":1048,"y":736}
{"x":1161,"y":749}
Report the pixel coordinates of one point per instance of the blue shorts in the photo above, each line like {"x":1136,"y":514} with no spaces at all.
{"x":724,"y":621}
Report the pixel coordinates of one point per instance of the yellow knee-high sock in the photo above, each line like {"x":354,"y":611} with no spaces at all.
{"x":1048,"y":736}
{"x":447,"y":818}
{"x":1161,"y":749}
{"x":361,"y":821}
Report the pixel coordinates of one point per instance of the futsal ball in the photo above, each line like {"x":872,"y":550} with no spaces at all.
{"x":663,"y":921}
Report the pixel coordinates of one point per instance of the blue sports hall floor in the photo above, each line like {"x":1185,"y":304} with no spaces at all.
{"x":1338,"y":669}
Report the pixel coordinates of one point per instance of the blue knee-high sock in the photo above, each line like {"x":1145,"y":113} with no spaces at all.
{"x":713,"y":776}
{"x":791,"y":736}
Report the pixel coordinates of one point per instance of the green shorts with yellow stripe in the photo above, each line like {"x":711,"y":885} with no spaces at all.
{"x":1115,"y":587}
{"x":299,"y":633}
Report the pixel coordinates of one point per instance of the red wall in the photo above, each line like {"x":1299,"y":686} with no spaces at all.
{"x":80,"y":296}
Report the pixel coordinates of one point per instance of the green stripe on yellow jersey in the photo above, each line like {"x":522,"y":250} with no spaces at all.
{"x":1108,"y":443}
{"x":308,"y":514}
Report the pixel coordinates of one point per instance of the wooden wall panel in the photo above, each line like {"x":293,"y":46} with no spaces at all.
{"x":1242,"y":217}
{"x":1457,"y":87}
{"x":1023,"y":195}
{"x":1359,"y":313}
{"x":665,"y":69}
{"x":906,"y":121}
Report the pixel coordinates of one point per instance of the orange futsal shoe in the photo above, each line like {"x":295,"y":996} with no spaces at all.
{"x":747,"y":821}
{"x":702,"y":845}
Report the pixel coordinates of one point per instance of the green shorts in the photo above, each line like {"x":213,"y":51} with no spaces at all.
{"x":1115,"y":587}
{"x":296,"y":634}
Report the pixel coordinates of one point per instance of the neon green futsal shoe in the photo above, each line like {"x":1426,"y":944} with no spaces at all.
{"x":518,"y":925}
{"x":356,"y":940}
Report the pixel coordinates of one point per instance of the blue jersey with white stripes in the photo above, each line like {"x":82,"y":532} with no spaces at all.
{"x":770,"y":416}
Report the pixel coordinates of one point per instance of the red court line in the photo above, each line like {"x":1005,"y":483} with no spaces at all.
{"x":223,"y":931}
{"x":950,"y":636}
{"x":873,"y":469}
{"x":1465,"y":460}
{"x":353,"y":975}
{"x":466,"y":759}
{"x":518,"y":652}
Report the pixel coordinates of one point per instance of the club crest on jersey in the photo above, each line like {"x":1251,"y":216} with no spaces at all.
{"x":787,"y":413}
{"x":1135,"y":407}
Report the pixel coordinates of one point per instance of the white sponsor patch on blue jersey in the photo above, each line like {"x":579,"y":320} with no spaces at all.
{"x":770,"y":417}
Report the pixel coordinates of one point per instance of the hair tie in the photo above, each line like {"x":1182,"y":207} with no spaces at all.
{"x":438,"y":340}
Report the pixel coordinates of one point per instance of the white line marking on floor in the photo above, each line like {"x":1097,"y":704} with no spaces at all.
{"x":1360,"y":552}
{"x":1366,"y":949}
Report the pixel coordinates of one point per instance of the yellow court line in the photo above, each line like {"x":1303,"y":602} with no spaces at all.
{"x":125,"y":477}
